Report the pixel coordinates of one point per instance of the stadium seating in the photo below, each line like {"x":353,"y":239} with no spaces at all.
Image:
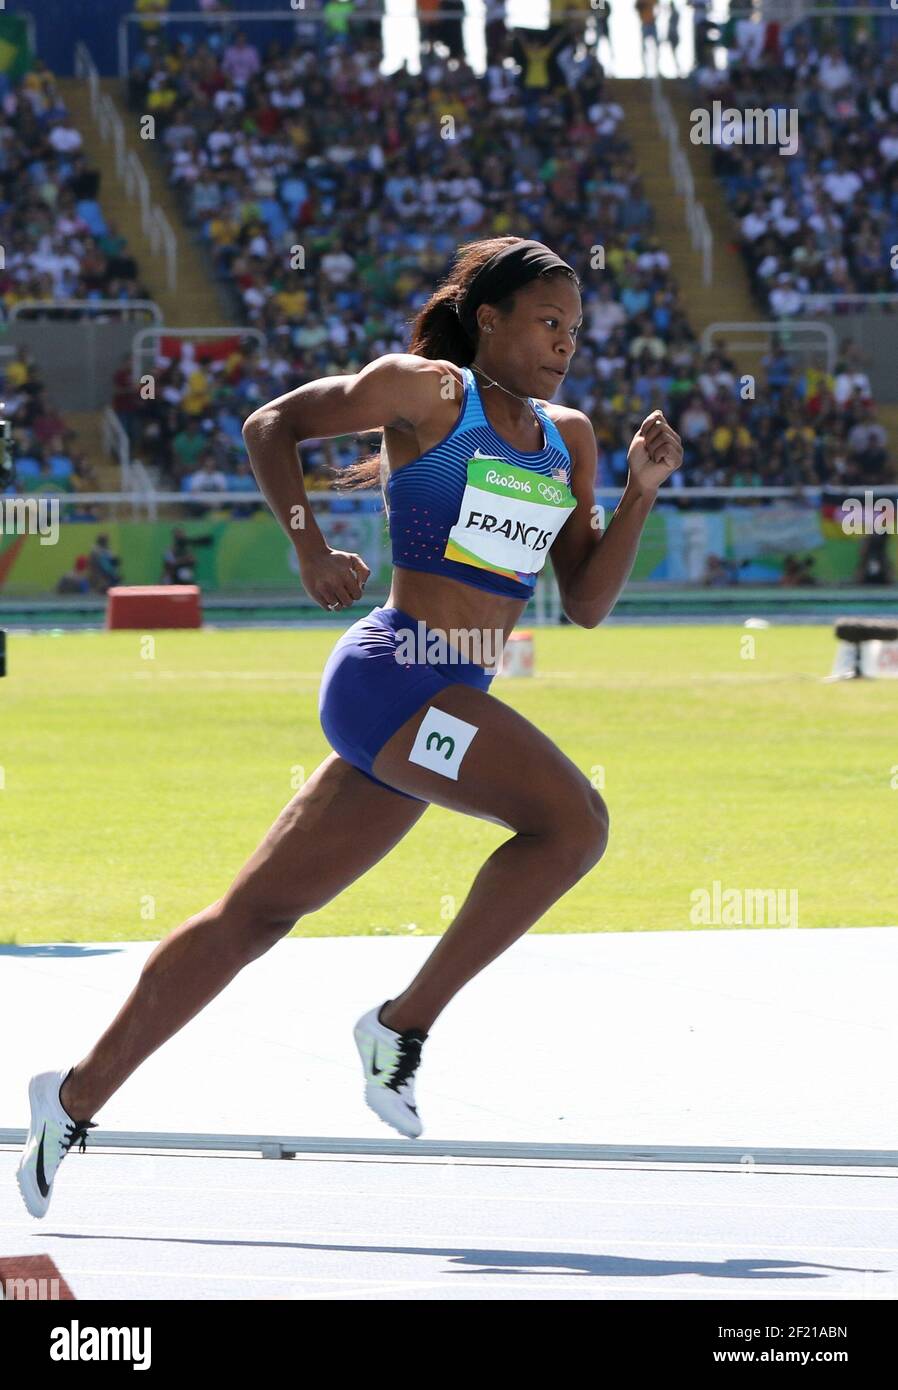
{"x":381,"y":210}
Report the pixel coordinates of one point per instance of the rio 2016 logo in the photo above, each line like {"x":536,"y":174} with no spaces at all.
{"x":516,"y":484}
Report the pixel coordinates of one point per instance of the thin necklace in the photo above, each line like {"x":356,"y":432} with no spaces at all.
{"x":475,"y":368}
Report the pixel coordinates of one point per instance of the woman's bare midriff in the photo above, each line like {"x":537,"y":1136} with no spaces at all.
{"x":448,"y":604}
{"x":438,"y":601}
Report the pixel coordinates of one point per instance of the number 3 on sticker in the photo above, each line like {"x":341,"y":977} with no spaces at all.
{"x":436,"y":740}
{"x":441,"y":742}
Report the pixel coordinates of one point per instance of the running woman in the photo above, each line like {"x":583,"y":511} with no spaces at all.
{"x":483,"y":479}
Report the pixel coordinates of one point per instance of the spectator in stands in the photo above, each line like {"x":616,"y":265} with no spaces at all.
{"x":243,"y":480}
{"x":21,"y":372}
{"x":241,"y":61}
{"x":337,"y":29}
{"x":671,"y":38}
{"x":208,"y":477}
{"x":786,"y":299}
{"x":535,"y":55}
{"x":64,"y":138}
{"x":851,"y":385}
{"x":704,"y":33}
{"x":38,"y":436}
{"x":694,"y":420}
{"x":604,"y":314}
{"x":188,"y":446}
{"x":645,"y":9}
{"x":867,"y":441}
{"x":104,"y":568}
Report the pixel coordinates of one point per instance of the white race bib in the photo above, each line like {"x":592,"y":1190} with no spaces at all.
{"x":508,"y":519}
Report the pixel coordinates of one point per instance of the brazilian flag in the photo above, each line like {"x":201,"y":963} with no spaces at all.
{"x":15,"y":55}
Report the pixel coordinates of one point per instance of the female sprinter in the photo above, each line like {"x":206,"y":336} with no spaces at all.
{"x":485,"y":479}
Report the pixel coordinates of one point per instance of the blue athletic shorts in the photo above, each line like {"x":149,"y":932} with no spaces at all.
{"x":367,"y":693}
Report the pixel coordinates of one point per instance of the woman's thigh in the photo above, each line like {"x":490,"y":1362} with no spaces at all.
{"x":468,"y":751}
{"x":336,"y":828}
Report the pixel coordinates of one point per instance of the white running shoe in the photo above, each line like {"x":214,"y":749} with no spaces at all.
{"x":52,"y":1134}
{"x":390,"y":1061}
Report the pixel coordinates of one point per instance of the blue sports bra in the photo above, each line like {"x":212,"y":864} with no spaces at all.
{"x":475,"y":509}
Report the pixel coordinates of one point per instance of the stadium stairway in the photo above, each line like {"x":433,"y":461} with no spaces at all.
{"x":728,"y":297}
{"x":197,"y":301}
{"x":88,"y":425}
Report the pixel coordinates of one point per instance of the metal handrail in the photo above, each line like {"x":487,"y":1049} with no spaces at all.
{"x":700,"y":233}
{"x":884,"y":298}
{"x":149,"y":495}
{"x":117,"y":443}
{"x":155,"y":225}
{"x":775,"y":326}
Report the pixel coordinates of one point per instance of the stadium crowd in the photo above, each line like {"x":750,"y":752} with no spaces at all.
{"x":45,"y":453}
{"x":306,"y":151}
{"x":58,"y":243}
{"x":309,"y":149}
{"x":823,"y":220}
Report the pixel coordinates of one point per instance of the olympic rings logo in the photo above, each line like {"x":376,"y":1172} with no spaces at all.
{"x":551,"y":494}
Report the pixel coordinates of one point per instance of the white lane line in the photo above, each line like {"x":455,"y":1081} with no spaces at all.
{"x":570,"y":1283}
{"x":340,"y":1194}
